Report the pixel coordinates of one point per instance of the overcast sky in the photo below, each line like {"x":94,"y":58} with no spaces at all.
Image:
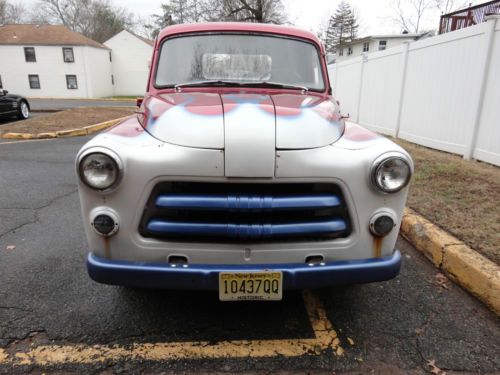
{"x":374,"y":15}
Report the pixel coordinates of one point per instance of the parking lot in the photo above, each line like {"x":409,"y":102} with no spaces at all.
{"x":53,"y":317}
{"x":43,"y":107}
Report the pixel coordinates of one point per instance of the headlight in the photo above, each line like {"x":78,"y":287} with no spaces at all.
{"x":391,"y":173}
{"x":99,"y":171}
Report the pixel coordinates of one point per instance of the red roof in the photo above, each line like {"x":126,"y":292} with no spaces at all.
{"x":238,"y":26}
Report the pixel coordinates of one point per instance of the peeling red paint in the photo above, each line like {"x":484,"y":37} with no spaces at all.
{"x":356,"y":133}
{"x":127,"y":128}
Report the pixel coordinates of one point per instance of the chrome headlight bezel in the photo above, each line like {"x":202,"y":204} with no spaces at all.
{"x":381,"y":161}
{"x":115,"y":160}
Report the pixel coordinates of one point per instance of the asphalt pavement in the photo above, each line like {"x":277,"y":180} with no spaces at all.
{"x":46,"y":298}
{"x":61,"y":104}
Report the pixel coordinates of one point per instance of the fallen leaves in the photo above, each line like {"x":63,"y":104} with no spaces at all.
{"x":434,"y":369}
{"x":441,"y":280}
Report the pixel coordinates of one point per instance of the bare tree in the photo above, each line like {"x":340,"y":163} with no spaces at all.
{"x":12,"y":12}
{"x":263,"y":11}
{"x":106,"y":21}
{"x":96,"y":19}
{"x":447,"y":6}
{"x":3,"y":12}
{"x":408,"y":14}
{"x":178,"y":11}
{"x":189,"y":11}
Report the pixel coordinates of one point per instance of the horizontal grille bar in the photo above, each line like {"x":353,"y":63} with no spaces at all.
{"x":242,"y":211}
{"x":246,"y":202}
{"x":245,"y":231}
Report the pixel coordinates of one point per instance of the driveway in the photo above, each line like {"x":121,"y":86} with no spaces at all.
{"x":47,"y":301}
{"x":60,"y":104}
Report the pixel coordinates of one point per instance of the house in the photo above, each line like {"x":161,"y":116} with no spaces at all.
{"x":375,"y":43}
{"x":131,"y":54}
{"x":53,"y":61}
{"x":470,"y":16}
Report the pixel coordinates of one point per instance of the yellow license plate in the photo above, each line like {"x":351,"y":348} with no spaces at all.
{"x":251,"y":286}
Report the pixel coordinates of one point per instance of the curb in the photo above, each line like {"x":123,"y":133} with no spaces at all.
{"x":86,"y":130}
{"x":477,"y":274}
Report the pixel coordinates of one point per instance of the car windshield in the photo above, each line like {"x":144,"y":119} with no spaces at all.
{"x":243,"y":59}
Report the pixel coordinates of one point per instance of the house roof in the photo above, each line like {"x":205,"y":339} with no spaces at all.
{"x":386,"y":36}
{"x":58,"y":35}
{"x":145,"y":40}
{"x":238,"y":27}
{"x":141,"y":38}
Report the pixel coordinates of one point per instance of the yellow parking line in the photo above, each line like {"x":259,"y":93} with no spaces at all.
{"x":325,"y":338}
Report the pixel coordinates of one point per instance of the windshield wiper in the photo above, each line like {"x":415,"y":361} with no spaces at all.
{"x":220,"y":82}
{"x":215,"y":82}
{"x":278,"y":85}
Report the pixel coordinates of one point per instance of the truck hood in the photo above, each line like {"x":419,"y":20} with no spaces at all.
{"x":207,"y":120}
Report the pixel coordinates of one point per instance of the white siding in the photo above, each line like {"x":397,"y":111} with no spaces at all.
{"x":99,"y":70}
{"x":357,"y":48}
{"x":446,"y":96}
{"x":52,"y":71}
{"x":130,"y":63}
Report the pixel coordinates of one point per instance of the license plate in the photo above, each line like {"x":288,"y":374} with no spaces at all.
{"x":251,"y":286}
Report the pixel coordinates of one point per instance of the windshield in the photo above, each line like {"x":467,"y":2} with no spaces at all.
{"x":239,"y":58}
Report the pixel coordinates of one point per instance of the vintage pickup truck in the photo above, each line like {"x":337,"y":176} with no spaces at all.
{"x":239,"y":173}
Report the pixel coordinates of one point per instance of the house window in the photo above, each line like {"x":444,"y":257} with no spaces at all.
{"x":349,"y":51}
{"x":112,"y":79}
{"x":34,"y":81}
{"x":366,"y":46}
{"x":110,"y":59}
{"x":68,"y":55}
{"x":71,"y":82}
{"x":29,"y":54}
{"x":341,"y":52}
{"x":382,"y":44}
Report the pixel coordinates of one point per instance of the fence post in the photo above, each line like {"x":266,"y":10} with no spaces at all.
{"x":364,"y":58}
{"x":485,"y":67}
{"x":336,"y":77}
{"x":406,"y":48}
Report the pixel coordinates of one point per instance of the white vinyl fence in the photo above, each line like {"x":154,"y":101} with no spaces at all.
{"x":442,"y":92}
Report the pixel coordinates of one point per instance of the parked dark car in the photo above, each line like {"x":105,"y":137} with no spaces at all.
{"x":12,"y":105}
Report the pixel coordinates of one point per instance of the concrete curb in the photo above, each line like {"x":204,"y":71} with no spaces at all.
{"x":466,"y":267}
{"x":87,"y":130}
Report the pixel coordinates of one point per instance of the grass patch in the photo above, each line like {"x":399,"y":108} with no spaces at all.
{"x":458,"y":195}
{"x":66,"y":120}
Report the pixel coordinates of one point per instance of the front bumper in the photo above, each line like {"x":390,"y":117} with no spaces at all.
{"x":206,"y":276}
